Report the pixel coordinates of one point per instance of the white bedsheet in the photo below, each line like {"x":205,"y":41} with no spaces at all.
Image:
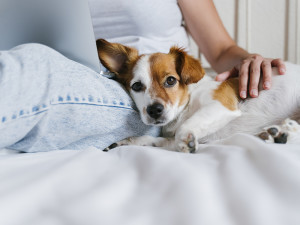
{"x":243,"y":181}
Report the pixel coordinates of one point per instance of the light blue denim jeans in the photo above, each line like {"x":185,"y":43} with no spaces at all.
{"x":48,"y":102}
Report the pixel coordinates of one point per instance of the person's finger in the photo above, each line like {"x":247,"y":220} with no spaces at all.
{"x":255,"y":76}
{"x":243,"y":81}
{"x":227,"y":74}
{"x":267,"y":74}
{"x":280,"y":65}
{"x":223,"y":76}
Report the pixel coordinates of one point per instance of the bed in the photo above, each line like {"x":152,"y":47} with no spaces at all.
{"x":240,"y":180}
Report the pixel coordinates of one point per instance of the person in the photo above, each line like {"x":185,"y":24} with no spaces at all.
{"x":51,"y":103}
{"x":156,"y":25}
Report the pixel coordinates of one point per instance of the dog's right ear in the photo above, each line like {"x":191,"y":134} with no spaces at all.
{"x":187,"y":67}
{"x":116,"y":57}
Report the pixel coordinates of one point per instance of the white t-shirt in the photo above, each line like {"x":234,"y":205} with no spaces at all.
{"x":148,"y":25}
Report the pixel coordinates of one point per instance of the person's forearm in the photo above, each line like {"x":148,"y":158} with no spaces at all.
{"x":230,"y":57}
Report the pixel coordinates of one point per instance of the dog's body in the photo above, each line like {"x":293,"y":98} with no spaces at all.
{"x":170,"y":90}
{"x":251,"y":115}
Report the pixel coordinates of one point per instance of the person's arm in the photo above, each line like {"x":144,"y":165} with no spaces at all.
{"x":225,"y":57}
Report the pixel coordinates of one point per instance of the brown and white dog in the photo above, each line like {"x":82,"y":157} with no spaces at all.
{"x":171,"y":90}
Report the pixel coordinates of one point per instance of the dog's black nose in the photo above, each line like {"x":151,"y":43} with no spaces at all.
{"x":155,"y":110}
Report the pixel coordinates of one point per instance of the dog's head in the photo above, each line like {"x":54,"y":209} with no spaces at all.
{"x":157,"y":82}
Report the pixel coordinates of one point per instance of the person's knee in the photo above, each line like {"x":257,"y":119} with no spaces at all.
{"x":35,"y":47}
{"x":38,"y":53}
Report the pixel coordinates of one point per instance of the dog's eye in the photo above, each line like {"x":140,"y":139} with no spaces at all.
{"x":170,"y":82}
{"x":137,"y":86}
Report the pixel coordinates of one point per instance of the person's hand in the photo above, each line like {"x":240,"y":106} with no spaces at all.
{"x":249,"y":72}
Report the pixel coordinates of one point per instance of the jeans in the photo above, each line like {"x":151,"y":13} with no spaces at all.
{"x":48,"y":102}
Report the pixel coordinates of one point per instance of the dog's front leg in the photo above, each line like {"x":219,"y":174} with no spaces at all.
{"x":166,"y":143}
{"x":203,"y":122}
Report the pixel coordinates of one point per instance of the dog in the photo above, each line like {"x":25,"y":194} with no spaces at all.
{"x":172,"y":91}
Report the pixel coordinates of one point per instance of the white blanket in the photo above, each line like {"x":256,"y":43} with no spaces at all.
{"x":243,"y":181}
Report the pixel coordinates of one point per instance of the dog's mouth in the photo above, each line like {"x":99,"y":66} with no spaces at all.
{"x":155,"y":122}
{"x":158,"y":123}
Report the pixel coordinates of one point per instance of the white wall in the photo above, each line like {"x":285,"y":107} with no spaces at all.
{"x":268,"y":27}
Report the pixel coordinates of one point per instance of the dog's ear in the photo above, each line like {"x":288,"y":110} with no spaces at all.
{"x":187,"y":67}
{"x":116,"y":57}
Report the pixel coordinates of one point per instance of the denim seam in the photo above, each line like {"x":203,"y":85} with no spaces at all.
{"x":90,"y":100}
{"x":85,"y":103}
{"x":27,"y":114}
{"x":64,"y":101}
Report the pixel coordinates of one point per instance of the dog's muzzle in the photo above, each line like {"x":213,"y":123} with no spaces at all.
{"x":155,"y":111}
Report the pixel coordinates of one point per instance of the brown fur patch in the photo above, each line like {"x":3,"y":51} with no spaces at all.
{"x":189,"y":68}
{"x":162,"y":66}
{"x":119,"y":59}
{"x":227,"y":93}
{"x":179,"y":64}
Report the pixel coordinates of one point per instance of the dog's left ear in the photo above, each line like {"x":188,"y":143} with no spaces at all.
{"x":116,"y":57}
{"x":187,"y":67}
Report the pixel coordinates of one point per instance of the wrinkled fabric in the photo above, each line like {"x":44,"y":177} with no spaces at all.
{"x":238,"y":181}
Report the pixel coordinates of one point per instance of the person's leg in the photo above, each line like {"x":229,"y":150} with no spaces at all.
{"x":48,"y":102}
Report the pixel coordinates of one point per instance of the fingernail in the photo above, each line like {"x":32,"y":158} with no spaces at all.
{"x":267,"y":85}
{"x":243,"y":94}
{"x":282,"y":70}
{"x":220,"y":77}
{"x":254,"y":93}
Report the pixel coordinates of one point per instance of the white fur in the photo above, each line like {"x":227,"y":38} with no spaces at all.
{"x":203,"y":112}
{"x":141,"y":73}
{"x":271,"y":107}
{"x":205,"y":119}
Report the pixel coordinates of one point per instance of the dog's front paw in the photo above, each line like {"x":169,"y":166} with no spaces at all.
{"x":126,"y":141}
{"x":186,"y":142}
